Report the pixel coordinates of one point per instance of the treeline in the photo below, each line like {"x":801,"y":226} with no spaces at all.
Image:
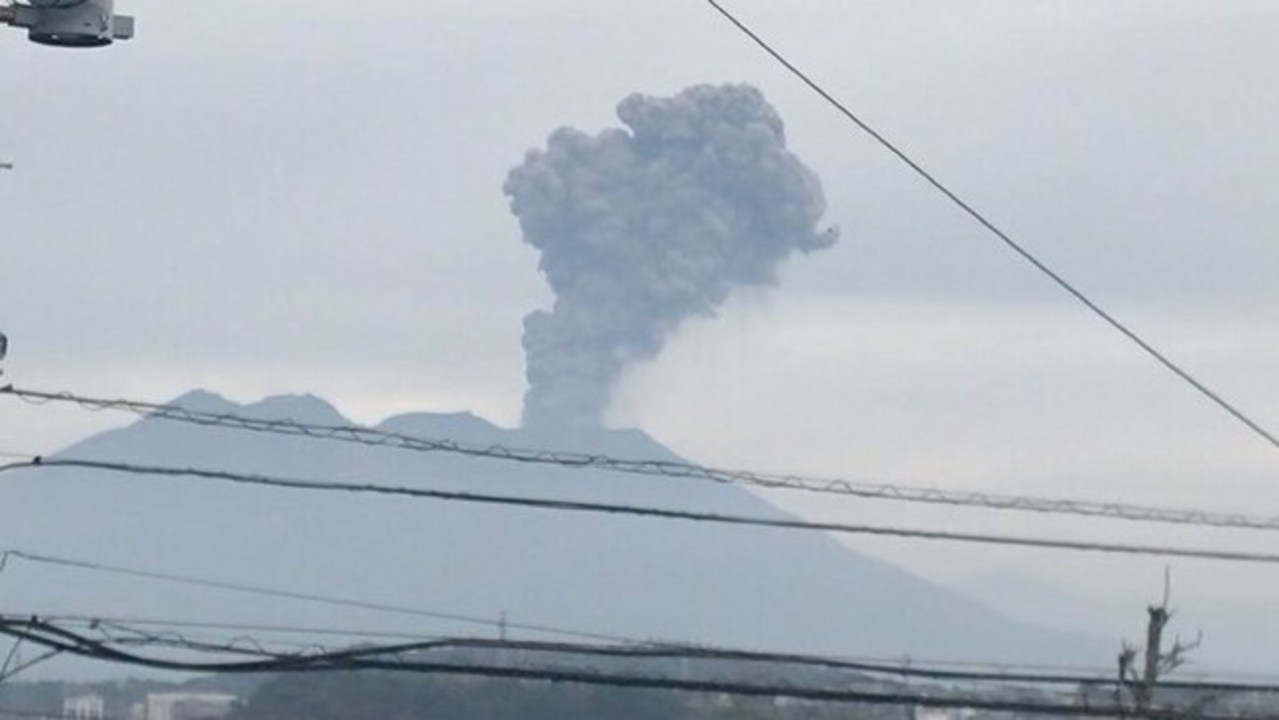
{"x":409,"y":696}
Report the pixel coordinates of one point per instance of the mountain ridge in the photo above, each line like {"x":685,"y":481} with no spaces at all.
{"x":623,"y":576}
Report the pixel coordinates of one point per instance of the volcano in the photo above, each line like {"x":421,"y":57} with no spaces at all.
{"x":632,"y":577}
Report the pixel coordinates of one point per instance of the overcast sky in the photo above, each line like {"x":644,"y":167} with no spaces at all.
{"x":260,"y":198}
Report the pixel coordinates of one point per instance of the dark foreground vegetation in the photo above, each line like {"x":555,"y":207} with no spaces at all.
{"x":402,"y":696}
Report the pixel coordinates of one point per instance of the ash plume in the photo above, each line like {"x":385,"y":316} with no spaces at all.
{"x":643,"y":227}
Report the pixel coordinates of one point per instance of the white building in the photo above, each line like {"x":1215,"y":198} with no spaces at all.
{"x":942,"y":714}
{"x":188,"y":706}
{"x":84,"y":707}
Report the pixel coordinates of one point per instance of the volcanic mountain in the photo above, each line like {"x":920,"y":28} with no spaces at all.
{"x":632,"y":577}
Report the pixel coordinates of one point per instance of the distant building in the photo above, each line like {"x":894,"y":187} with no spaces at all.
{"x":942,"y":714}
{"x":84,"y":707}
{"x":188,"y":706}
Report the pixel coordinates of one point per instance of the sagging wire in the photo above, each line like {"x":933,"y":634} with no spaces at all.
{"x":665,"y":468}
{"x":411,"y":658}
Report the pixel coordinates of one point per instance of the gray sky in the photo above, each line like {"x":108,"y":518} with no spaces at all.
{"x":257,"y":199}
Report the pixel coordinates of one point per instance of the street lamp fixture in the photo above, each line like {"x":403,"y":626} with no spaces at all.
{"x":69,"y":23}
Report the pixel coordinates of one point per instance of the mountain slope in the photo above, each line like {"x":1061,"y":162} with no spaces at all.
{"x":1237,"y":635}
{"x":625,"y":576}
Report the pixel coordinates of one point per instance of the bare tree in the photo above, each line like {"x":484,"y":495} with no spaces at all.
{"x":1141,"y":685}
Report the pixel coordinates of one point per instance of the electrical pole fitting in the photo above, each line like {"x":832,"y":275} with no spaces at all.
{"x":69,"y":23}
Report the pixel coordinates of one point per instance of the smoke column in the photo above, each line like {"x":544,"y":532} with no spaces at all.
{"x":640,"y":228}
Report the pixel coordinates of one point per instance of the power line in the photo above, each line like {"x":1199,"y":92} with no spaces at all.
{"x":649,"y":651}
{"x":94,"y":620}
{"x":632,"y":649}
{"x":41,"y":559}
{"x":907,"y":668}
{"x":674,"y":469}
{"x":409,"y":659}
{"x":897,"y":665}
{"x":914,"y":667}
{"x":647,"y":511}
{"x":13,"y":669}
{"x":1012,"y":244}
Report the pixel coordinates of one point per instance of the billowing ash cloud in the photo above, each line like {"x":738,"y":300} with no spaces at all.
{"x":644,"y":227}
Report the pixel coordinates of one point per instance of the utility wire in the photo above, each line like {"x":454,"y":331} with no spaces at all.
{"x":649,"y":651}
{"x":400,"y":658}
{"x":654,"y":468}
{"x":1012,"y":244}
{"x":913,"y":667}
{"x":645,"y":650}
{"x":293,"y":630}
{"x":897,"y":665}
{"x":41,"y":559}
{"x":21,"y":667}
{"x":647,"y":511}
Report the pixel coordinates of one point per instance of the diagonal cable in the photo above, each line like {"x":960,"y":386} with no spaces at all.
{"x":1007,"y":240}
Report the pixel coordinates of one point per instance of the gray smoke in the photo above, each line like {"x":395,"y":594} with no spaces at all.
{"x":644,"y":227}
